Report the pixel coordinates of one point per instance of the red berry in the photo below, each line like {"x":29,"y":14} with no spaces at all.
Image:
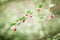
{"x":14,"y":29}
{"x":30,"y":16}
{"x":52,"y":16}
{"x":23,"y":20}
{"x":26,"y":15}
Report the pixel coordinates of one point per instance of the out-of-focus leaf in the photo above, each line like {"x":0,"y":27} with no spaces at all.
{"x":21,"y":18}
{"x":41,"y":17}
{"x":12,"y":24}
{"x":43,"y":1}
{"x":29,"y":12}
{"x":40,"y":5}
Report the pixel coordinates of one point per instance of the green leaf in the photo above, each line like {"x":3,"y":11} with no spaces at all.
{"x":29,"y":12}
{"x":21,"y":18}
{"x":17,"y":20}
{"x":12,"y":24}
{"x":41,"y":17}
{"x":40,"y":5}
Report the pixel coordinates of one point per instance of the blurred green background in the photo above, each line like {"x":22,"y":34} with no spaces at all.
{"x":6,"y":17}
